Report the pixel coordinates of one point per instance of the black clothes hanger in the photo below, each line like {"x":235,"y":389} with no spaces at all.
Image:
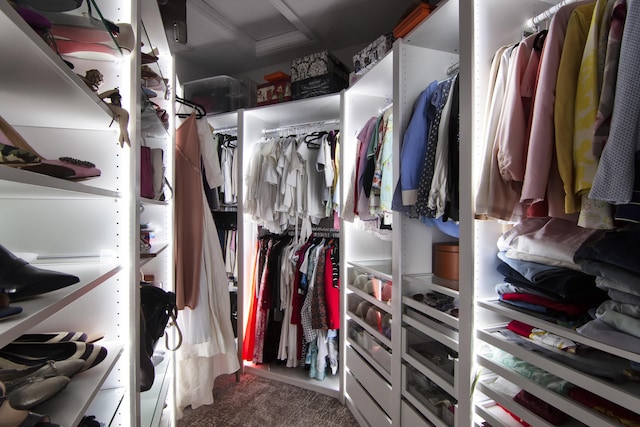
{"x":538,"y":42}
{"x":200,"y":110}
{"x":312,"y":139}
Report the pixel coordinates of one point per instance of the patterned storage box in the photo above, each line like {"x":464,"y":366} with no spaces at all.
{"x":274,"y":92}
{"x":318,"y":64}
{"x":317,"y":86}
{"x":373,"y":53}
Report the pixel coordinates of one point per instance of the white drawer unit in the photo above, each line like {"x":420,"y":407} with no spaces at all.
{"x":377,"y":386}
{"x":365,"y":404}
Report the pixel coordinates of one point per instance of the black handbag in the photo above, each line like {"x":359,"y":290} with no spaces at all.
{"x":159,"y":310}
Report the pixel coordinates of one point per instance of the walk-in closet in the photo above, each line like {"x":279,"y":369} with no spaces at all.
{"x":446,"y":237}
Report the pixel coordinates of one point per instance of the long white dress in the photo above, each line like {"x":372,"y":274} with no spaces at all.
{"x":208,"y":348}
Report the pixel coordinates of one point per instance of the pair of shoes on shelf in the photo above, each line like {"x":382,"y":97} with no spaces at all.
{"x":12,"y":417}
{"x":20,"y":355}
{"x":28,"y":388}
{"x":64,"y":167}
{"x":20,"y":280}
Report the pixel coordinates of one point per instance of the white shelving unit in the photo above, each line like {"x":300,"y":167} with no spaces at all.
{"x":496,"y":23}
{"x":88,"y":228}
{"x":251,"y":124}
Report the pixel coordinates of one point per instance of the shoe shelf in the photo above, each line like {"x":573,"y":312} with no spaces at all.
{"x":31,"y":67}
{"x":152,"y":401}
{"x":430,"y":358}
{"x":106,"y":403}
{"x":370,"y":329}
{"x":18,"y":183}
{"x":155,"y":250}
{"x":39,"y":309}
{"x":378,"y":268}
{"x":430,"y":327}
{"x":626,"y":395}
{"x":568,"y":406}
{"x":430,"y":400}
{"x":495,"y":306}
{"x":82,"y":390}
{"x":376,"y":356}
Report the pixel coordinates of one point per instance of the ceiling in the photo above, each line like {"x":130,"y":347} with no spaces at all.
{"x":233,"y":37}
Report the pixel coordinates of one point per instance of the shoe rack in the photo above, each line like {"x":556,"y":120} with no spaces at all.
{"x":87,"y":228}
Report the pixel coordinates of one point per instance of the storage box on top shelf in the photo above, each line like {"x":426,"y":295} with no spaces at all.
{"x":276,"y":90}
{"x":221,"y":94}
{"x":373,"y":52}
{"x":412,"y":19}
{"x":316,"y":65}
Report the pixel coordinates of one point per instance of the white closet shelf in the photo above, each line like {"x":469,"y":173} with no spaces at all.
{"x":412,"y":395}
{"x":70,"y":405}
{"x":565,"y":404}
{"x":376,"y":80}
{"x":431,"y":312}
{"x":441,"y":29}
{"x":360,"y":400}
{"x":626,"y":395}
{"x":507,"y":401}
{"x":429,"y":370}
{"x":382,"y":305}
{"x":291,"y":113}
{"x":21,"y":184}
{"x":426,"y":282}
{"x":39,"y":309}
{"x":152,"y":400}
{"x":155,"y":250}
{"x":432,"y":329}
{"x":297,"y":377}
{"x":495,"y":306}
{"x":411,"y":417}
{"x":378,"y":387}
{"x":106,"y":404}
{"x":366,"y":354}
{"x":370,"y":329}
{"x":223,"y":120}
{"x":379,"y":268}
{"x":493,"y":414}
{"x":59,"y":99}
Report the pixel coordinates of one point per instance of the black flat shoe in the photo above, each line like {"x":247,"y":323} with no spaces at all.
{"x":22,"y":280}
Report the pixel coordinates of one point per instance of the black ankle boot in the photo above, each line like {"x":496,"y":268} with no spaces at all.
{"x":22,"y":280}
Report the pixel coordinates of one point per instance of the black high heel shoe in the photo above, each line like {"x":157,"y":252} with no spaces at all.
{"x":22,"y":280}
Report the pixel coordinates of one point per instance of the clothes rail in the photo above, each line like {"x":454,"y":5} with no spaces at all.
{"x":231,"y":129}
{"x":302,"y":125}
{"x":547,"y":14}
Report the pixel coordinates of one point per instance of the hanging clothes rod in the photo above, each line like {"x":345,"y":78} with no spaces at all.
{"x":547,"y":14}
{"x":227,"y":129}
{"x":386,"y":107}
{"x":308,"y":124}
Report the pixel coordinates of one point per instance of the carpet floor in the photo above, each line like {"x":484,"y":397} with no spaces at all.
{"x":260,"y":402}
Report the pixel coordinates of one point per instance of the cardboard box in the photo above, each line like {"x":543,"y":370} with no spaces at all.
{"x":318,"y":64}
{"x":274,"y":92}
{"x":374,"y":52}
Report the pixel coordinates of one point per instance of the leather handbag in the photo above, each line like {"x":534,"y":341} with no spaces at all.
{"x":146,"y":173}
{"x":159,"y":310}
